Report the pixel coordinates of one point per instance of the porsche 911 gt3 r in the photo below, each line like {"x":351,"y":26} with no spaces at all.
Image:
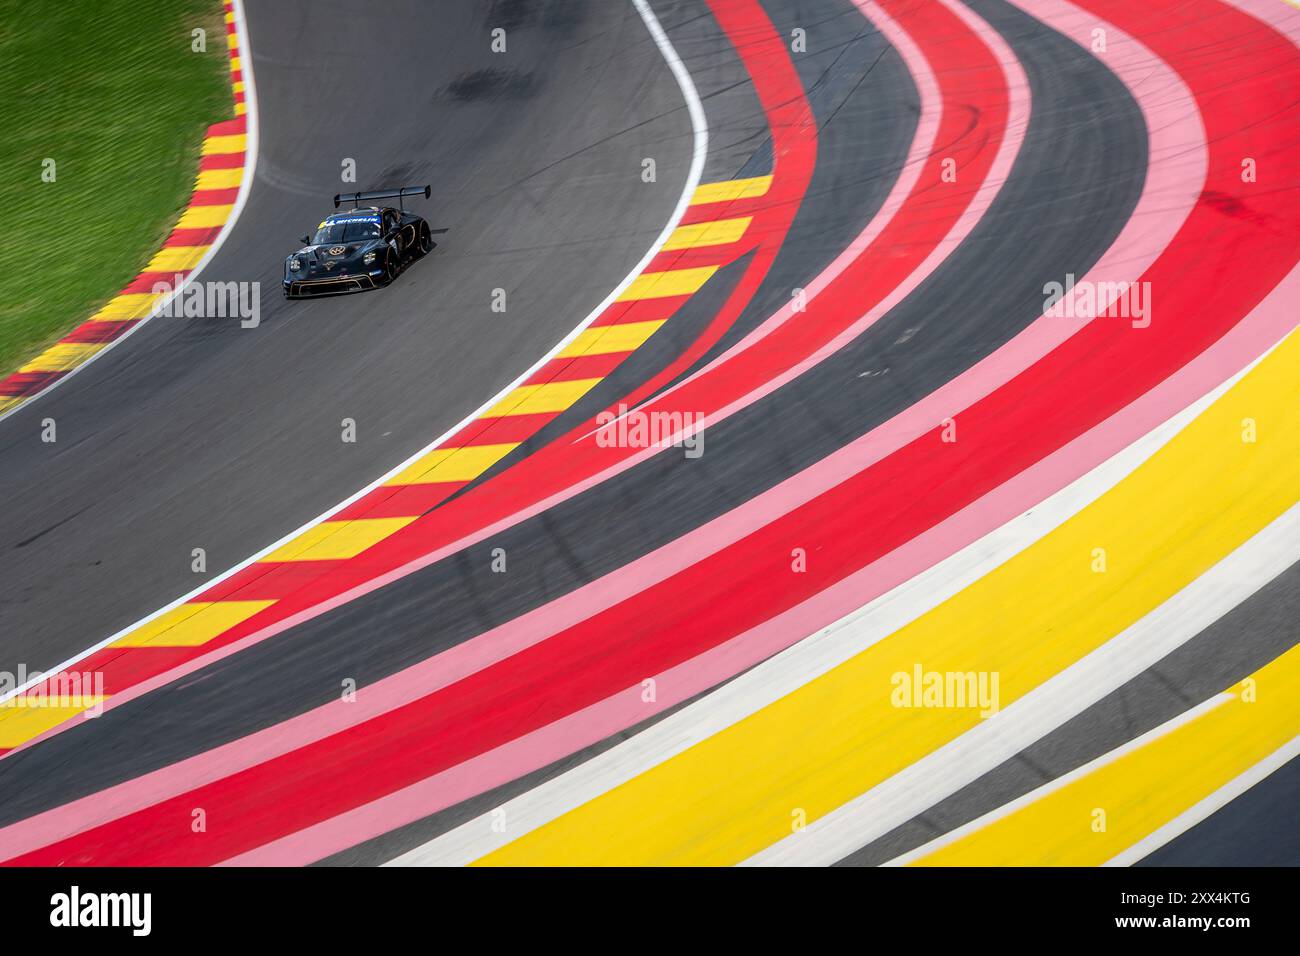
{"x":363,"y":248}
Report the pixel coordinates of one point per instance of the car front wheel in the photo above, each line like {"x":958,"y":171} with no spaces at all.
{"x":390,"y":266}
{"x":423,"y":241}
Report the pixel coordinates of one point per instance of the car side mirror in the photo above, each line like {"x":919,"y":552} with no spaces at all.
{"x":306,"y":240}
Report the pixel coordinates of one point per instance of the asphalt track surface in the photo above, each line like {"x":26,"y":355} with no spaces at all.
{"x":234,"y":433}
{"x":214,"y":436}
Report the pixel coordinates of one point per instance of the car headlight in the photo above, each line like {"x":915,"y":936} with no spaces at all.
{"x":369,"y":257}
{"x":295,"y":264}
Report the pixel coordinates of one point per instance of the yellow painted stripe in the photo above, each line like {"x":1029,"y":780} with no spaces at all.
{"x":230,"y":18}
{"x":1193,"y":502}
{"x":232,"y":40}
{"x":219,"y":145}
{"x":657,"y":285}
{"x":452,"y":464}
{"x":62,"y":357}
{"x":220,"y":179}
{"x":1142,"y":790}
{"x":128,"y":305}
{"x":720,"y":232}
{"x":10,"y":401}
{"x":731,"y":189}
{"x":192,"y":624}
{"x":333,"y":540}
{"x":548,"y":397}
{"x":202,"y":217}
{"x":607,"y":339}
{"x":239,"y":86}
{"x":241,"y":109}
{"x":176,"y":258}
{"x":234,"y":64}
{"x":20,"y":724}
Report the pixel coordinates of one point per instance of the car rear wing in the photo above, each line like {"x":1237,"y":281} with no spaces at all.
{"x":398,"y":194}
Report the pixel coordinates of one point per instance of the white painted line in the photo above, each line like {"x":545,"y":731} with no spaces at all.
{"x":700,"y":131}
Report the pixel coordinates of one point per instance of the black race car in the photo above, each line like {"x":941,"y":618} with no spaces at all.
{"x":362,"y":248}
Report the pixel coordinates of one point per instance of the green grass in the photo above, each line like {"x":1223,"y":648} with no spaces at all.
{"x":110,"y":90}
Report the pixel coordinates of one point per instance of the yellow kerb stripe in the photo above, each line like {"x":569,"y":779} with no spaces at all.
{"x":62,"y":357}
{"x":731,"y":189}
{"x":20,"y":724}
{"x":659,"y":285}
{"x":549,"y":397}
{"x":176,"y":258}
{"x":240,"y":109}
{"x":192,"y":624}
{"x":128,"y":305}
{"x":335,"y":540}
{"x":720,"y":232}
{"x":10,"y":401}
{"x":452,"y":464}
{"x":203,"y":217}
{"x":220,"y":178}
{"x":221,"y":145}
{"x":606,"y":339}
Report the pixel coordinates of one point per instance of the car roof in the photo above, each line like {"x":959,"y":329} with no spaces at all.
{"x":365,"y":212}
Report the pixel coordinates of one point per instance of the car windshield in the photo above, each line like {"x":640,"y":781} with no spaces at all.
{"x":346,"y":230}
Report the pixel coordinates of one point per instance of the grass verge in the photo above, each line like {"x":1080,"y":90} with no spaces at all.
{"x":112,"y":92}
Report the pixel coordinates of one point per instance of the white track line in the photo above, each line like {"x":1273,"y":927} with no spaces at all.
{"x":245,"y":187}
{"x":700,"y":130}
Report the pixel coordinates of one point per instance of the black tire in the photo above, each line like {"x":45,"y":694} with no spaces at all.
{"x":423,"y":242}
{"x":391,"y":266}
